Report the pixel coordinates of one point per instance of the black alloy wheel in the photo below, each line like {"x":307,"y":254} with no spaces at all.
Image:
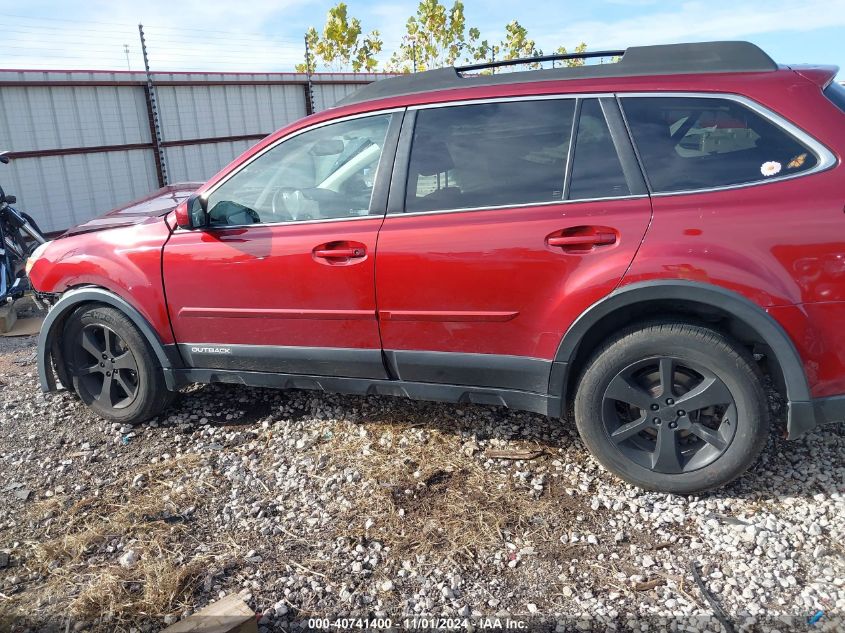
{"x":673,"y":406}
{"x":111,"y":365}
{"x":669,"y":416}
{"x":105,"y":365}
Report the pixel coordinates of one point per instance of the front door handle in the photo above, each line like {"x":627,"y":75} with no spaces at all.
{"x":340,"y":252}
{"x":596,"y":239}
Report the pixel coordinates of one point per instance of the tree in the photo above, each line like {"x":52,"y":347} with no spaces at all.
{"x":581,"y":48}
{"x":517,"y":44}
{"x":434,"y":37}
{"x":342,"y":44}
{"x":483,"y":51}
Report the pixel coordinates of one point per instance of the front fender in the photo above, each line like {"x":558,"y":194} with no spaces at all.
{"x":125,"y":261}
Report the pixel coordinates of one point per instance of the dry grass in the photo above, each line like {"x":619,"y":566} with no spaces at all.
{"x":451,"y":504}
{"x":85,"y":580}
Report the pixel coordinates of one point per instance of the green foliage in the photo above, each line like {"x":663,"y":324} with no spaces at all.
{"x":517,"y":43}
{"x":342,"y":43}
{"x":581,"y":48}
{"x":434,"y":37}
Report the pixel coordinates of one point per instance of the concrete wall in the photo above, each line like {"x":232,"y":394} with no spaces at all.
{"x":82,"y":142}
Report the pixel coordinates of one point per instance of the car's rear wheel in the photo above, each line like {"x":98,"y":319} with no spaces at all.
{"x":111,"y":367}
{"x":673,"y":407}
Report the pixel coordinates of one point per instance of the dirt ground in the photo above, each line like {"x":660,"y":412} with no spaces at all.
{"x":318,"y":505}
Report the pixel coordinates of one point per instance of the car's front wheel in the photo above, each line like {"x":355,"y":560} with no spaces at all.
{"x":111,"y":366}
{"x":673,"y":407}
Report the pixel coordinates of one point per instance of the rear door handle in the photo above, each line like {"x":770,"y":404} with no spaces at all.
{"x":339,"y":252}
{"x":589,"y":240}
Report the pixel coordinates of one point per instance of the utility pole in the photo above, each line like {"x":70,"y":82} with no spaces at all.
{"x":152,"y":105}
{"x":413,"y":40}
{"x":309,"y":86}
{"x":126,"y":50}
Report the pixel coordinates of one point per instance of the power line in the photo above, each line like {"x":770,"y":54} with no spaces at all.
{"x":35,"y":28}
{"x":180,"y":29}
{"x":39,"y":49}
{"x":40,"y":18}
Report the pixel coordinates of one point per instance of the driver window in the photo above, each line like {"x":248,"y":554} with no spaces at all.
{"x":322,"y":174}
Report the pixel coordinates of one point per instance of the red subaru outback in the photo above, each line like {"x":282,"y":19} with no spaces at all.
{"x":648,"y":239}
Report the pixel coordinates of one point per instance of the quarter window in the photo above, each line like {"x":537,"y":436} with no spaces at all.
{"x":324,"y":173}
{"x":836,"y":93}
{"x":698,"y":143}
{"x":491,"y":154}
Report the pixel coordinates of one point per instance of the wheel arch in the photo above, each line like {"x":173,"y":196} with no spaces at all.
{"x":733,"y":314}
{"x":77,"y":297}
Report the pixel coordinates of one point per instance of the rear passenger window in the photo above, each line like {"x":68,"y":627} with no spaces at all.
{"x":596,"y":170}
{"x":491,"y":154}
{"x":699,"y":143}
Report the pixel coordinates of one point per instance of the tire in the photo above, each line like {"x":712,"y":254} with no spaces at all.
{"x":667,"y":442}
{"x":112,"y":367}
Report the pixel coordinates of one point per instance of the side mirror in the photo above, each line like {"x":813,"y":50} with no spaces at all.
{"x":193,"y":213}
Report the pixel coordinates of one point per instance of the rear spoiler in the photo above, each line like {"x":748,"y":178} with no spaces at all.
{"x":819,"y":75}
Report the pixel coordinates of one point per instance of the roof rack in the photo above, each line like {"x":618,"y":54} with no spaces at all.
{"x":664,"y":59}
{"x":539,"y":58}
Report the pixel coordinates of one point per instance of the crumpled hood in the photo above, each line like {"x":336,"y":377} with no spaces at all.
{"x":156,"y":204}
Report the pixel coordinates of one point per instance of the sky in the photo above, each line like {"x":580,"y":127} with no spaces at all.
{"x":266,"y":35}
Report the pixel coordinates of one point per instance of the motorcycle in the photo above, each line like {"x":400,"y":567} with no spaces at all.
{"x":19,"y":236}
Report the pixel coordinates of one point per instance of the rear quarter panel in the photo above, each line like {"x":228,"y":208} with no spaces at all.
{"x":780,"y":244}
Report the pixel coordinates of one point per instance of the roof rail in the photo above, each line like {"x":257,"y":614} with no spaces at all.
{"x":663,"y":59}
{"x":539,"y":58}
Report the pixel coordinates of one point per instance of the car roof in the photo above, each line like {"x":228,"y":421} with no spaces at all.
{"x":665,"y":59}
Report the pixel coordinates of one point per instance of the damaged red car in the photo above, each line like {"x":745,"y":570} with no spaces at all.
{"x":651,"y":241}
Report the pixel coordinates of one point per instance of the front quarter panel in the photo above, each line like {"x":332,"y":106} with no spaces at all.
{"x":125,"y":261}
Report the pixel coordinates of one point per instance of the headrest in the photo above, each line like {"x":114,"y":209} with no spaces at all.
{"x":430,"y":157}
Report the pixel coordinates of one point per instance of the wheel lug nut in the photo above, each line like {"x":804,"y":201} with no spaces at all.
{"x":673,"y":425}
{"x":681,"y":413}
{"x":656,"y":420}
{"x":105,"y":356}
{"x":655,"y":407}
{"x":669,"y":401}
{"x":102,"y":364}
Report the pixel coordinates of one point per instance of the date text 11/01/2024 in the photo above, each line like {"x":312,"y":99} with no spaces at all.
{"x":417,"y":623}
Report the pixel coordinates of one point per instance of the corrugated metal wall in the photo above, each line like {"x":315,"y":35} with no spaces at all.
{"x":83,"y":142}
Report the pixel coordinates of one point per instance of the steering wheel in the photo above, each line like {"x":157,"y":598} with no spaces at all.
{"x":290,"y":203}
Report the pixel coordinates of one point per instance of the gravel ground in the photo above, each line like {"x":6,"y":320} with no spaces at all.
{"x":310,"y":504}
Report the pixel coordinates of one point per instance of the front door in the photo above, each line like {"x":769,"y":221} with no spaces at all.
{"x":508,"y":231}
{"x":283,"y":278}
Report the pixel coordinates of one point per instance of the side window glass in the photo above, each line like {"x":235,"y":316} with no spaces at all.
{"x":836,"y":93}
{"x":698,"y":143}
{"x":596,"y":169}
{"x":490,"y":154}
{"x":324,"y":173}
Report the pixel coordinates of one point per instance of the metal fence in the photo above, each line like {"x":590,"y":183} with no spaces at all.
{"x":84,"y":142}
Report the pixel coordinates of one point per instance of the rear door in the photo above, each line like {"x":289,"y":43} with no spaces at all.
{"x":500,"y":231}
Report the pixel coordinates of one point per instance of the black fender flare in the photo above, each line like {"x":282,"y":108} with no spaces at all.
{"x":801,"y":416}
{"x":72,"y":299}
